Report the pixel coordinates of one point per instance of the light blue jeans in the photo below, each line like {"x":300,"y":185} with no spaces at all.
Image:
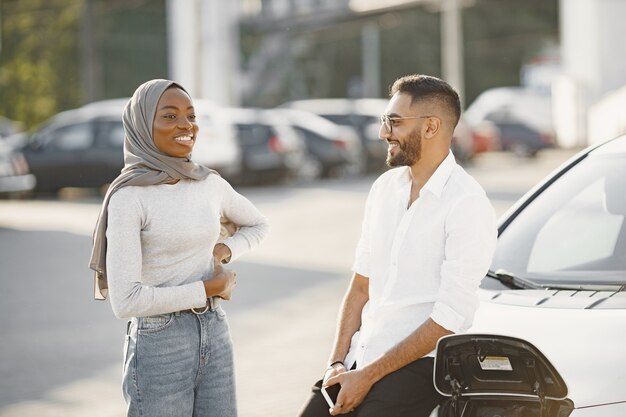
{"x":179,"y":365}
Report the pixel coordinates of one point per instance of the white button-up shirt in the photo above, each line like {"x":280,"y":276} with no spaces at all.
{"x":422,"y":261}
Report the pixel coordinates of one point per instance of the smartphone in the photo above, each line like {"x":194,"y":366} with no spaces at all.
{"x":330,"y":394}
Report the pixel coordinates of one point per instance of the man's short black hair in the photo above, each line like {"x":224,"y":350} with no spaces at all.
{"x":424,"y":87}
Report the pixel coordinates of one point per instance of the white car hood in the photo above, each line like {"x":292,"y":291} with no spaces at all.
{"x":586,"y":346}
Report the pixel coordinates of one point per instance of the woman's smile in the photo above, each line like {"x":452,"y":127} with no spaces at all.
{"x":185,"y":140}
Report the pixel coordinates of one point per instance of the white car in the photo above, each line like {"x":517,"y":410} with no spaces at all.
{"x":216,"y":146}
{"x":549,"y":336}
{"x":518,"y":103}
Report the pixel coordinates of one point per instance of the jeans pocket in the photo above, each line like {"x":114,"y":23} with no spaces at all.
{"x":128,"y":347}
{"x":154,"y":324}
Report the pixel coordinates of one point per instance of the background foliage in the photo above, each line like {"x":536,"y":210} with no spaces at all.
{"x":43,"y":68}
{"x":42,"y":60}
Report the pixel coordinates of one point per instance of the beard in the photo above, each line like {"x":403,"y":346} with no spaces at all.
{"x":408,"y":153}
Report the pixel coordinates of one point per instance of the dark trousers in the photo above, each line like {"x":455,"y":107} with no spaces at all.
{"x":407,"y":392}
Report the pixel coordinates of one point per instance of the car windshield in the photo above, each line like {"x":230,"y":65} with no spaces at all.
{"x":574,"y":232}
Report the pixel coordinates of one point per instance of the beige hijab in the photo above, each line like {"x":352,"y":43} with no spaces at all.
{"x":144,"y":165}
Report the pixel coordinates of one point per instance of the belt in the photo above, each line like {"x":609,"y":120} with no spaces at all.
{"x":211,"y":304}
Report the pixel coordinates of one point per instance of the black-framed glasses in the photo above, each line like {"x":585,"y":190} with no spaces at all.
{"x":387,"y":121}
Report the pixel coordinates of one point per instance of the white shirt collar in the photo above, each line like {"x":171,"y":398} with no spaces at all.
{"x":440,"y":177}
{"x":438,"y":180}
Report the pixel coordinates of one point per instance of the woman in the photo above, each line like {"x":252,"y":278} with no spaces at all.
{"x":156,"y":253}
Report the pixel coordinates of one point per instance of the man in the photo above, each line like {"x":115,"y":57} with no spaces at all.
{"x":427,"y":240}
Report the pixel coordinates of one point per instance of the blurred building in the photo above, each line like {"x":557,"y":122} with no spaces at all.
{"x":203,"y":48}
{"x":276,"y":18}
{"x":589,"y":96}
{"x":204,"y":43}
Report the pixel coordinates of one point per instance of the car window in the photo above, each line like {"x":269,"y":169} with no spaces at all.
{"x":574,"y":229}
{"x":338,"y":118}
{"x":596,"y":240}
{"x":352,"y":119}
{"x":253,"y":134}
{"x":309,"y":134}
{"x":72,"y":137}
{"x":115,"y":135}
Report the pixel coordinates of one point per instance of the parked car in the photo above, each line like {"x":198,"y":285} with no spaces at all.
{"x":462,"y":145}
{"x":15,"y":178}
{"x":333,"y":149}
{"x":84,"y":147}
{"x":513,"y":119}
{"x":549,"y":336}
{"x":216,"y":146}
{"x":271,"y":149}
{"x":520,"y":139}
{"x":77,"y":148}
{"x":363,"y":115}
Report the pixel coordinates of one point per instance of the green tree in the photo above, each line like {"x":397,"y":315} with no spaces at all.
{"x":42,"y":60}
{"x":39,"y":65}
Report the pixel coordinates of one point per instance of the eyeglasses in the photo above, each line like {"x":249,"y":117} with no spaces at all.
{"x":387,"y":121}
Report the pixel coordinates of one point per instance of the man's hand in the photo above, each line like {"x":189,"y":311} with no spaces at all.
{"x":332,"y":371}
{"x":355,"y":385}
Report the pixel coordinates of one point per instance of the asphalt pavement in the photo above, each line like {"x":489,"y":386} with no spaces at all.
{"x":61,"y":351}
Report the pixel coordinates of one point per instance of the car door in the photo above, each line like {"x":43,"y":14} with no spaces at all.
{"x":107,"y":157}
{"x":257,"y":154}
{"x":57,"y":158}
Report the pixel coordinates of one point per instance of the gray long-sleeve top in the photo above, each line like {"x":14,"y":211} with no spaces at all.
{"x":160,"y":242}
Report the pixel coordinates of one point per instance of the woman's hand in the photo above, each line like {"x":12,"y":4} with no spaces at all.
{"x":221,"y":284}
{"x":221,"y":253}
{"x":227,"y":228}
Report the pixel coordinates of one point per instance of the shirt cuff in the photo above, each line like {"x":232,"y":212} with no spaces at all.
{"x":199,"y":294}
{"x":447,"y":318}
{"x":237,"y":247}
{"x":361,"y":268}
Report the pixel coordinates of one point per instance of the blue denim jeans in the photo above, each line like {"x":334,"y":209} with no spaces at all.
{"x":179,"y":365}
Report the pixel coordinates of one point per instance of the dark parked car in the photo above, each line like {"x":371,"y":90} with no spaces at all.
{"x":216,"y":146}
{"x":516,"y":119}
{"x":363,"y":115}
{"x":332,"y":148}
{"x":518,"y":137}
{"x":77,"y":148}
{"x":84,"y":147}
{"x":271,"y":149}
